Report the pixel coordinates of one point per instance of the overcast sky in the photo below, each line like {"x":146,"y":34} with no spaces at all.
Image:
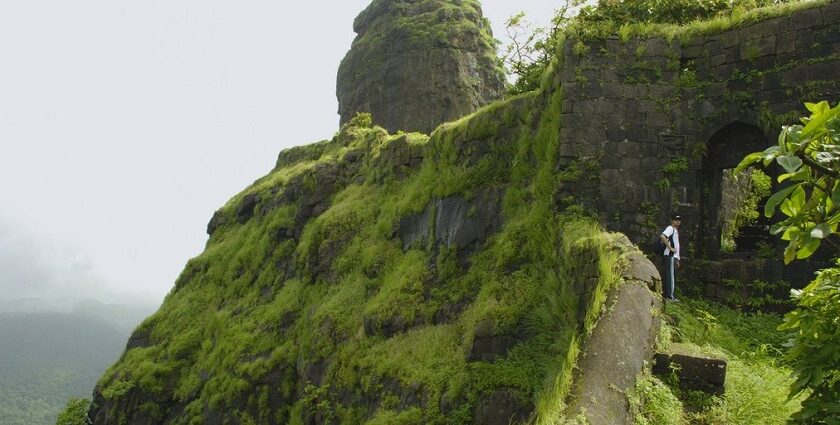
{"x":125,"y":124}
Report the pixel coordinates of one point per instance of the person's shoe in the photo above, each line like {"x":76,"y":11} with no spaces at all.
{"x":674,"y":300}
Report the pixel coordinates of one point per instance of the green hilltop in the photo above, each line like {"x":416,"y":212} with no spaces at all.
{"x":306,"y":302}
{"x":380,"y":278}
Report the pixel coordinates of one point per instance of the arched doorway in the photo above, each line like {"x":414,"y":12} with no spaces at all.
{"x":726,"y":148}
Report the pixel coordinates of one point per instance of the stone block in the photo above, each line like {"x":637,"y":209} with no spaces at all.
{"x":631,"y":163}
{"x":772,"y":270}
{"x":611,"y":162}
{"x":750,"y":33}
{"x":710,"y":290}
{"x":771,"y":96}
{"x":772,"y":26}
{"x":804,"y":40}
{"x":829,"y":35}
{"x":693,"y":51}
{"x":730,"y":39}
{"x":770,"y":82}
{"x":502,"y":407}
{"x":712,"y":272}
{"x":700,"y":373}
{"x":650,"y":150}
{"x":661,"y":364}
{"x":717,"y":60}
{"x":732,"y":269}
{"x":795,"y":77}
{"x":831,"y":12}
{"x":612,"y":90}
{"x":609,"y":75}
{"x":765,"y":62}
{"x":656,"y":47}
{"x":567,"y":106}
{"x":806,"y":19}
{"x":628,"y":148}
{"x":766,"y":45}
{"x":825,"y":71}
{"x":785,"y":42}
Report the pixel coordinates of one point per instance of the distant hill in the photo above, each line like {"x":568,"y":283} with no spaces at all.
{"x":48,"y":357}
{"x":124,"y":317}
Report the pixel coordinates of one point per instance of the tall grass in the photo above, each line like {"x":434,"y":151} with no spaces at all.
{"x":757,"y":379}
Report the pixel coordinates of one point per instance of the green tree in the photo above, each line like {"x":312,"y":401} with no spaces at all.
{"x":810,"y":204}
{"x":75,"y":413}
{"x":810,"y":156}
{"x":529,"y":48}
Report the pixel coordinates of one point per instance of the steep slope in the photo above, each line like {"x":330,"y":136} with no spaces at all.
{"x":374,"y":278}
{"x":416,"y":64}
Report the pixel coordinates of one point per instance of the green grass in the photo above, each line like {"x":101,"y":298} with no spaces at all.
{"x":736,"y":19}
{"x":218,"y":336}
{"x":757,"y":382}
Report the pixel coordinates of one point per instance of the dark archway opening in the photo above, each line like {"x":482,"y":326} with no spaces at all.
{"x":723,"y":193}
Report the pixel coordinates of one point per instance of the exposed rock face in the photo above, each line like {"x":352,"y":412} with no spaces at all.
{"x":417,"y":63}
{"x":620,"y":346}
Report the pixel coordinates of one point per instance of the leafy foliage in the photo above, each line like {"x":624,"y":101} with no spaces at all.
{"x":742,"y":193}
{"x":816,"y":327}
{"x":671,"y":172}
{"x":75,"y":413}
{"x":530,"y":48}
{"x":810,"y":156}
{"x":618,"y":12}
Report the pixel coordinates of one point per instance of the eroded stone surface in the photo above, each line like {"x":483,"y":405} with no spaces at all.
{"x":615,"y":354}
{"x":416,"y":64}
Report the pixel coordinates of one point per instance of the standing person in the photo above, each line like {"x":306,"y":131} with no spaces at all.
{"x":670,"y":237}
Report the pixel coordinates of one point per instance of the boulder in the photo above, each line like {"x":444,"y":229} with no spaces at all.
{"x":416,"y":64}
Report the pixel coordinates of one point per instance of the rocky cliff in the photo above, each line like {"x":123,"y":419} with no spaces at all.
{"x":417,"y":63}
{"x":380,"y":279}
{"x":403,"y":278}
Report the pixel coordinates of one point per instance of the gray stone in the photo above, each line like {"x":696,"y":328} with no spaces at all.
{"x":730,"y":38}
{"x":794,"y":77}
{"x":614,"y":355}
{"x":785,"y":42}
{"x":700,"y":373}
{"x":806,"y":19}
{"x":414,"y":80}
{"x":218,"y":220}
{"x":825,"y":71}
{"x":831,"y":12}
{"x":246,"y":208}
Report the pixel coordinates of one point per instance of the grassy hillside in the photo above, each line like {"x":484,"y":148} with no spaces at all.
{"x":378,"y":278}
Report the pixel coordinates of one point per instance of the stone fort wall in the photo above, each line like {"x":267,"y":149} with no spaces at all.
{"x":663,"y":117}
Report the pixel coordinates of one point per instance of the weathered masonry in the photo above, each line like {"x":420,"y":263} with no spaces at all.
{"x":662,"y":119}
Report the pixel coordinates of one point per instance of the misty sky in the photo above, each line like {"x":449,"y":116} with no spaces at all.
{"x":125,"y":124}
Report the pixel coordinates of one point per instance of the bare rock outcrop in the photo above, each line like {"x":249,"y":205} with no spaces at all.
{"x":418,"y":63}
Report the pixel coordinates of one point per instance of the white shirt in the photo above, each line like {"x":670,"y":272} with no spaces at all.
{"x":670,"y":230}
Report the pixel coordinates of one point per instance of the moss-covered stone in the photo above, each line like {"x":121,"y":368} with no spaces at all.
{"x":417,"y":64}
